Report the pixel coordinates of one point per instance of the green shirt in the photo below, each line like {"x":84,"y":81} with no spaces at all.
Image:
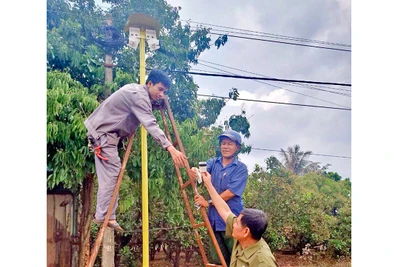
{"x":256,"y":255}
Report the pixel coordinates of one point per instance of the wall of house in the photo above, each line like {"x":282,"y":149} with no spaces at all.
{"x":59,"y":230}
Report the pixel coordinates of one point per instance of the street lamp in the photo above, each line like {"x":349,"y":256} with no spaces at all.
{"x":143,"y":27}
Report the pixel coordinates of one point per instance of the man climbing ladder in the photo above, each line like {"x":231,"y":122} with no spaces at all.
{"x":117,"y":118}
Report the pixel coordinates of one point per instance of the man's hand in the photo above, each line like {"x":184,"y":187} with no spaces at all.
{"x":177,"y":156}
{"x":200,"y":201}
{"x":193,"y":174}
{"x":206,"y":178}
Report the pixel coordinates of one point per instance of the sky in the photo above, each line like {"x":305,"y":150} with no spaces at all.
{"x":272,"y":127}
{"x":374,"y":117}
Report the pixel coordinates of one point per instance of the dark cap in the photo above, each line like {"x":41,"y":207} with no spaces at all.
{"x":233,"y":135}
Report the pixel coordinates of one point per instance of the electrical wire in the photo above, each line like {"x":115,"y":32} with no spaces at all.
{"x":295,"y":84}
{"x":280,"y":87}
{"x":313,"y":154}
{"x":275,"y":102}
{"x":280,"y":42}
{"x":257,"y":78}
{"x":246,"y":31}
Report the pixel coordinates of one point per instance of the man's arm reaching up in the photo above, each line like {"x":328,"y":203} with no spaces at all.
{"x":221,"y":206}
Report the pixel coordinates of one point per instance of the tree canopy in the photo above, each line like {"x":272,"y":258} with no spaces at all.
{"x":72,"y":29}
{"x":294,"y":161}
{"x":316,"y":207}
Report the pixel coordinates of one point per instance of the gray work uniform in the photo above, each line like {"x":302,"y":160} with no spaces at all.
{"x":117,"y":118}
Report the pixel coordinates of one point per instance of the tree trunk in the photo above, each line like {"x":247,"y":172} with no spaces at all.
{"x":85,"y":220}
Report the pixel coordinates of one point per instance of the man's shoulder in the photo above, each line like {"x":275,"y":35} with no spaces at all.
{"x":265,"y":256}
{"x":134,"y":87}
{"x":212,"y":161}
{"x":137,"y":91}
{"x":229,"y":224}
{"x":241,"y":164}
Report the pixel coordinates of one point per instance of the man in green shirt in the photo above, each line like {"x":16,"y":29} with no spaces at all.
{"x":249,"y":249}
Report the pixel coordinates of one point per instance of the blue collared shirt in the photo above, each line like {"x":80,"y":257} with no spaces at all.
{"x":232,"y":177}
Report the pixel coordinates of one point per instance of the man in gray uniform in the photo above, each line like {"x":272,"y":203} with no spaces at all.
{"x":117,"y":118}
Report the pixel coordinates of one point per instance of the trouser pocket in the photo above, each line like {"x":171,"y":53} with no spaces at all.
{"x":112,"y":139}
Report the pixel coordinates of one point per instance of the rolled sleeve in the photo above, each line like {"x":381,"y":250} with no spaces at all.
{"x":229,"y":224}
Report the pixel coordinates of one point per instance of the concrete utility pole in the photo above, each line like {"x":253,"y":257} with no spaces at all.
{"x":108,"y":248}
{"x":109,"y":60}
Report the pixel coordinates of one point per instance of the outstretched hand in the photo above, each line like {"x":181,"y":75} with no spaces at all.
{"x":178,"y":157}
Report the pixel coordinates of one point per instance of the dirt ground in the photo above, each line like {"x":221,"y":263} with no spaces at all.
{"x":282,"y":259}
{"x":294,"y":260}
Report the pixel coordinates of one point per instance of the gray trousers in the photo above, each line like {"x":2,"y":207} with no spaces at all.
{"x":107,"y":173}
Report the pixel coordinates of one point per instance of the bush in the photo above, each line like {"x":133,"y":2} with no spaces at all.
{"x":302,"y":209}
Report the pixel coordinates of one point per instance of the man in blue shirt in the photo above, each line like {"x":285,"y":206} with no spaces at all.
{"x":229,"y":178}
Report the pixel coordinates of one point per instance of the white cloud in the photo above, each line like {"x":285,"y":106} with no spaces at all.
{"x":272,"y":126}
{"x":247,"y":17}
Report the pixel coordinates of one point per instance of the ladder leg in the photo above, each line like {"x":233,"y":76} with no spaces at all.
{"x":186,"y":201}
{"x":100,"y":234}
{"x":193,"y":183}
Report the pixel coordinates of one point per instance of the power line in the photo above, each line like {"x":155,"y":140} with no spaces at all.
{"x":280,"y":42}
{"x":279,"y":87}
{"x":295,"y":84}
{"x":313,"y":154}
{"x":258,"y":78}
{"x":246,"y":31}
{"x":274,"y":102}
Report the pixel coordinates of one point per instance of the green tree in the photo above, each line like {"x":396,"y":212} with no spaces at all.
{"x":296,"y":161}
{"x":300,"y":210}
{"x":273,"y":165}
{"x":72,"y":26}
{"x":76,"y":86}
{"x":333,"y":175}
{"x":68,"y":158}
{"x":69,"y":163}
{"x":71,"y":49}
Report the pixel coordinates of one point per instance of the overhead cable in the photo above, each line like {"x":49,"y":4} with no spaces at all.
{"x":279,"y":87}
{"x":274,"y":102}
{"x":313,"y":154}
{"x":299,"y":39}
{"x":258,"y":78}
{"x":294,"y":84}
{"x":280,"y":42}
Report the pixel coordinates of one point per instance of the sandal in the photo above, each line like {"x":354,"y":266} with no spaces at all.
{"x":113,"y":225}
{"x":116,"y":227}
{"x":97,"y":221}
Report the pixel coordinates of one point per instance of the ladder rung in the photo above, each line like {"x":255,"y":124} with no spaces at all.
{"x":183,"y":187}
{"x":186,"y":184}
{"x":195,"y":226}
